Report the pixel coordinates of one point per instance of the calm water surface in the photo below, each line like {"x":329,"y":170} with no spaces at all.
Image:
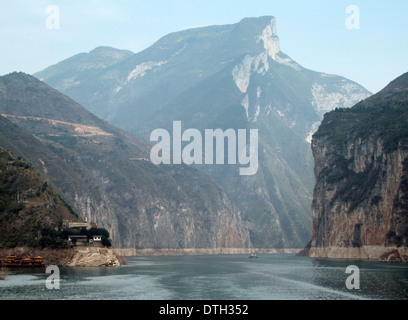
{"x":236,"y":277}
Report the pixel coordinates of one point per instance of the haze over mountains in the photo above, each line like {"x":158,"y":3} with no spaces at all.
{"x":232,"y":76}
{"x":104,"y":175}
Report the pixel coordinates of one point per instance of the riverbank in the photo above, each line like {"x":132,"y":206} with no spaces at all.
{"x":73,"y":257}
{"x":132,"y":252}
{"x":377,"y":253}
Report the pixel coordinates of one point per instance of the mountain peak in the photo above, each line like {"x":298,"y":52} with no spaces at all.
{"x":395,"y":94}
{"x":261,"y":21}
{"x":270,"y":38}
{"x":105,"y":50}
{"x":229,"y":76}
{"x":265,"y":31}
{"x":399,"y":84}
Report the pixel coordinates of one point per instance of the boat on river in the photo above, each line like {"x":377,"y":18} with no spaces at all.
{"x":18,"y":262}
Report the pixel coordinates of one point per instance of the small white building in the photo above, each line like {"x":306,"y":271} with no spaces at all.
{"x":97,"y":238}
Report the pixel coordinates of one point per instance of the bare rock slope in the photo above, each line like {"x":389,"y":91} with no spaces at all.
{"x":360,"y":206}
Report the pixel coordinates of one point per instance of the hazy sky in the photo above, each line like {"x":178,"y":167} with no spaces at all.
{"x":320,"y":35}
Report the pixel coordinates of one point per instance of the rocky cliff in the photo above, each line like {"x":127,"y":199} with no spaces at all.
{"x":229,"y":77}
{"x":30,"y":209}
{"x":94,"y":257}
{"x":105,"y":175}
{"x":360,"y":207}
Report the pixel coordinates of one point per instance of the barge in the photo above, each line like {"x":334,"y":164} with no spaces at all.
{"x":18,"y":262}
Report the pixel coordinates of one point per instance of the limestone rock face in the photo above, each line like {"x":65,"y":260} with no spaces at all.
{"x":105,"y":176}
{"x":232,"y":76}
{"x":393,"y":256}
{"x":94,"y":257}
{"x":344,"y":214}
{"x":361,"y":170}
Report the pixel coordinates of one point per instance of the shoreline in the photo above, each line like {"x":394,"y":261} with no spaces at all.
{"x":90,"y":256}
{"x":102,"y":257}
{"x":133,"y":252}
{"x":370,"y":252}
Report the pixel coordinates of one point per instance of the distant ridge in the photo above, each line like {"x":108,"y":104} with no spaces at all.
{"x":360,"y":206}
{"x":227,"y":76}
{"x":140,"y":204}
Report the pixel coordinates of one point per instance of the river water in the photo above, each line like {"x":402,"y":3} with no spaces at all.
{"x":221,"y":277}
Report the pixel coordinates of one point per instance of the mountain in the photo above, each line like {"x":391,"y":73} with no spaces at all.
{"x":29,"y":206}
{"x":360,"y":206}
{"x":105,"y":175}
{"x":232,"y":76}
{"x":83,"y":65}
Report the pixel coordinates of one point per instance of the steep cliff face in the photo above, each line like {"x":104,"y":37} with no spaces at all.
{"x":29,"y":206}
{"x":361,"y":166}
{"x":105,"y":175}
{"x":229,"y":77}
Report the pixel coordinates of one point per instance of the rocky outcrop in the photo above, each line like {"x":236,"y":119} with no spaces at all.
{"x":377,"y":253}
{"x":359,"y":211}
{"x":94,"y":257}
{"x":393,"y":256}
{"x":361,"y":169}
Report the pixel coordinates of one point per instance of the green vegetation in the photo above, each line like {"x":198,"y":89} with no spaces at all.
{"x":105,"y":169}
{"x":382,"y":117}
{"x":65,"y":140}
{"x":30,"y":210}
{"x":51,"y":238}
{"x":196,"y":87}
{"x":106,"y":241}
